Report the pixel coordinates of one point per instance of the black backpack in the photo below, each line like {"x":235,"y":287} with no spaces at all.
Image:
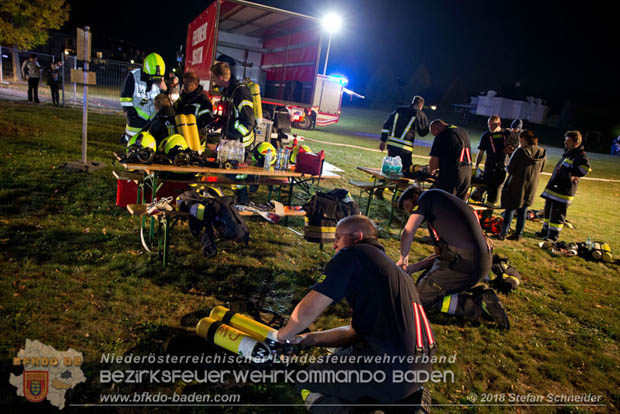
{"x":505,"y":278}
{"x":323,"y":211}
{"x":210,"y":212}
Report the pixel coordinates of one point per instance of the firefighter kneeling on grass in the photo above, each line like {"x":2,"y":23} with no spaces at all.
{"x":388,"y":322}
{"x":463,"y":256}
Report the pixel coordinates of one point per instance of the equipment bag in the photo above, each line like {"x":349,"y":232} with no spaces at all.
{"x":212,"y":213}
{"x":323,"y":211}
{"x":504,"y":277}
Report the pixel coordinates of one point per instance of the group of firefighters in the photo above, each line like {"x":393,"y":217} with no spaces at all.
{"x":150,"y":109}
{"x":389,"y":307}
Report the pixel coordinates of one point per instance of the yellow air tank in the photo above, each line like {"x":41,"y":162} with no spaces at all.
{"x":193,"y":140}
{"x":258,"y":106}
{"x":233,"y":340}
{"x":607,"y":256}
{"x":246,"y":324}
{"x":182,"y":127}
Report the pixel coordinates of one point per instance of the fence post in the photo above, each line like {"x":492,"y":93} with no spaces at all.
{"x":62,"y":59}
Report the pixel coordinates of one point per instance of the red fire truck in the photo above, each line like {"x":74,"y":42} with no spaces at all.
{"x":279,"y":50}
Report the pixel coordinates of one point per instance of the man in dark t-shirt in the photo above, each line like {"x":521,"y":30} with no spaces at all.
{"x":451,"y":156}
{"x":462,"y":257}
{"x":388,"y":319}
{"x":496,"y":144}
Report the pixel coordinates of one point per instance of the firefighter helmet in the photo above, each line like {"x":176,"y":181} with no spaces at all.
{"x":260,"y":151}
{"x":143,"y":140}
{"x":141,"y":148}
{"x":176,"y":149}
{"x":154,"y":65}
{"x":293,"y":157}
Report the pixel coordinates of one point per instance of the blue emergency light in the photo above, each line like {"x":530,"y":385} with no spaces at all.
{"x":341,"y":79}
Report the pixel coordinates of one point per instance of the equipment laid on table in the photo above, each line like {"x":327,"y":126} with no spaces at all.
{"x":187,"y":125}
{"x":308,"y":163}
{"x":260,"y":151}
{"x":141,"y":148}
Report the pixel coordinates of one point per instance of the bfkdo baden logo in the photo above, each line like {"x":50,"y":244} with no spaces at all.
{"x":35,"y":385}
{"x":48,"y":373}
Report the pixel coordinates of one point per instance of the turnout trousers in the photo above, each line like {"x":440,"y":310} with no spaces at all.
{"x":442,"y":288}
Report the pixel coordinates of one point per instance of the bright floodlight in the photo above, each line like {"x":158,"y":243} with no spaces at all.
{"x":332,"y":23}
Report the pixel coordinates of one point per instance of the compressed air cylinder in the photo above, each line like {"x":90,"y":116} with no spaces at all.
{"x":193,"y":140}
{"x":256,"y":330}
{"x":181,"y":121}
{"x":258,"y":106}
{"x":596,"y":251}
{"x":233,"y":340}
{"x":607,"y":256}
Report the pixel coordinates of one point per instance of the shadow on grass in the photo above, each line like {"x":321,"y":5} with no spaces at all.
{"x":61,"y":246}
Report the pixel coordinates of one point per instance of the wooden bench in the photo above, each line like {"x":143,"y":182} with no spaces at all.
{"x":166,"y":220}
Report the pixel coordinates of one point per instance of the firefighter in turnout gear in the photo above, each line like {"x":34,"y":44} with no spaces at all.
{"x":193,"y":100}
{"x":400,"y":129}
{"x":463,"y":256}
{"x":239,"y":122}
{"x":562,"y":185}
{"x":141,"y":87}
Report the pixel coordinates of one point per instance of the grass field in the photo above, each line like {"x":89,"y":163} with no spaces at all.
{"x":74,"y":276}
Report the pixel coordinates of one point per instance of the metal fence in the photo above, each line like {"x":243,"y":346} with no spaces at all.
{"x":110,"y":74}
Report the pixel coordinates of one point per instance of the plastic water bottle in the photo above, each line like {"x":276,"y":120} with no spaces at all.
{"x":589,"y":244}
{"x":267,"y":161}
{"x":279,"y":158}
{"x":287,"y":156}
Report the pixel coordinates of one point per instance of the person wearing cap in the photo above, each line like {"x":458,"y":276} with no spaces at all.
{"x":463,"y":256}
{"x":138,"y":93}
{"x":388,"y":320}
{"x":495,"y":144}
{"x":400,"y":129}
{"x":450,"y":158}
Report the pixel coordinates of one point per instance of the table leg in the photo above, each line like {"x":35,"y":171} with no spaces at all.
{"x":290,"y":197}
{"x":370,"y":194}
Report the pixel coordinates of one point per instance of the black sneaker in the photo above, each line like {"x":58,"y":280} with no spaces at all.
{"x":541,"y":234}
{"x":493,"y":310}
{"x":515,"y":237}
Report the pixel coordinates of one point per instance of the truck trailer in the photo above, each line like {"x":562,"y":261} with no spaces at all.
{"x":277,"y":49}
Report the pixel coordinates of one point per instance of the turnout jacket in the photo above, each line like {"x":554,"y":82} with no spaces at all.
{"x":137,"y":98}
{"x":323,"y":211}
{"x":196,"y":103}
{"x":561,"y":187}
{"x":399,"y":129}
{"x":240,"y":122}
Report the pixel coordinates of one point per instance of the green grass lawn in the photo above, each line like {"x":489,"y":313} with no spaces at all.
{"x":74,"y":274}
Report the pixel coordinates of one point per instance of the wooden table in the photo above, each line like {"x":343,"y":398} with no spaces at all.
{"x":395,"y":183}
{"x":153,"y":179}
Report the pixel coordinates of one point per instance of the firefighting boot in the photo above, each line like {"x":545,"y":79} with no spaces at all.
{"x":493,"y":310}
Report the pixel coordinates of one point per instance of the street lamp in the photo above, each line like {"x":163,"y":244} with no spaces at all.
{"x":331,"y":24}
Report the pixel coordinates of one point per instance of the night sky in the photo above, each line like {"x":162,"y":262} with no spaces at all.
{"x":552,"y":49}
